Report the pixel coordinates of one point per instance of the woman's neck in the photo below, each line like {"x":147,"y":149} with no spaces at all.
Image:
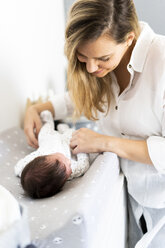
{"x":121,"y":72}
{"x":126,"y":58}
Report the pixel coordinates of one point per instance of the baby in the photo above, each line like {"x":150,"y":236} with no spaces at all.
{"x":44,"y":171}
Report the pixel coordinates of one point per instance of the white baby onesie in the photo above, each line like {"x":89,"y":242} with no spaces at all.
{"x":51,"y":141}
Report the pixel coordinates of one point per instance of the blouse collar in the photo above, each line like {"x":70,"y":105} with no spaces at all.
{"x":141,"y":49}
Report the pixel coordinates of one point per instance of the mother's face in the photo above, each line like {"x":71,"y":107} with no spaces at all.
{"x":102,"y":55}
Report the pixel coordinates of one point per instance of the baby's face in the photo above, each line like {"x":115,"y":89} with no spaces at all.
{"x":63,"y":160}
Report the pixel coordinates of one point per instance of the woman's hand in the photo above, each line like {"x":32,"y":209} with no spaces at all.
{"x":33,"y":123}
{"x":32,"y":126}
{"x":86,"y":140}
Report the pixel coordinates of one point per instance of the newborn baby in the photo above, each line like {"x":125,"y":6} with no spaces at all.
{"x":44,"y":171}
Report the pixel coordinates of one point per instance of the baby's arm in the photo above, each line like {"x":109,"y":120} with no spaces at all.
{"x":23,"y":162}
{"x":80,"y":166}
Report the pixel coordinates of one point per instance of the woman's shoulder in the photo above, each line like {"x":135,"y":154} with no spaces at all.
{"x":158,"y":46}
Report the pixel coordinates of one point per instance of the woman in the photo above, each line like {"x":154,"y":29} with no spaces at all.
{"x":116,"y":75}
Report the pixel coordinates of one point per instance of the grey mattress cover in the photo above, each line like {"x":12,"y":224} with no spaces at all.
{"x":71,"y":218}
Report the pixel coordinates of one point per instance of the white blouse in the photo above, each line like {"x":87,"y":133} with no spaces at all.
{"x":138,"y":113}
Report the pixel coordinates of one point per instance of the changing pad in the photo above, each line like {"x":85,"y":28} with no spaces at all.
{"x":87,"y":213}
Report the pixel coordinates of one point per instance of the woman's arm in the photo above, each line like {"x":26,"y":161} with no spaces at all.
{"x":44,"y":106}
{"x":86,"y":140}
{"x":32,"y":121}
{"x":135,"y":150}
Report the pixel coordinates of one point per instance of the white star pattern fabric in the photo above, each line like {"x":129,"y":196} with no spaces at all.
{"x":51,"y":141}
{"x":76,"y":216}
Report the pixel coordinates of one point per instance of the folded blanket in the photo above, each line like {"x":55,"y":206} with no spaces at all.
{"x":9,"y":209}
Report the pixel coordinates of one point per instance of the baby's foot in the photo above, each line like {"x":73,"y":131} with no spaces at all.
{"x":62,"y":127}
{"x":46,"y":116}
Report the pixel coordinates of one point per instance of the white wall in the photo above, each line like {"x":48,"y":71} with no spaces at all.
{"x":152,"y":11}
{"x":31,"y":54}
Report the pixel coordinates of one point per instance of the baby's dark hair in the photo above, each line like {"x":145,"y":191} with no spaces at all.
{"x":43,"y":178}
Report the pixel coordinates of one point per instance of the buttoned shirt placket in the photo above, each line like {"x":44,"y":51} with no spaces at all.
{"x":118,"y":97}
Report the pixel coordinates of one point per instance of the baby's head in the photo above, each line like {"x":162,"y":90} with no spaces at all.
{"x":45,"y":175}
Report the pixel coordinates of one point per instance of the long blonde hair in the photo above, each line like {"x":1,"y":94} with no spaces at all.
{"x":88,"y":20}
